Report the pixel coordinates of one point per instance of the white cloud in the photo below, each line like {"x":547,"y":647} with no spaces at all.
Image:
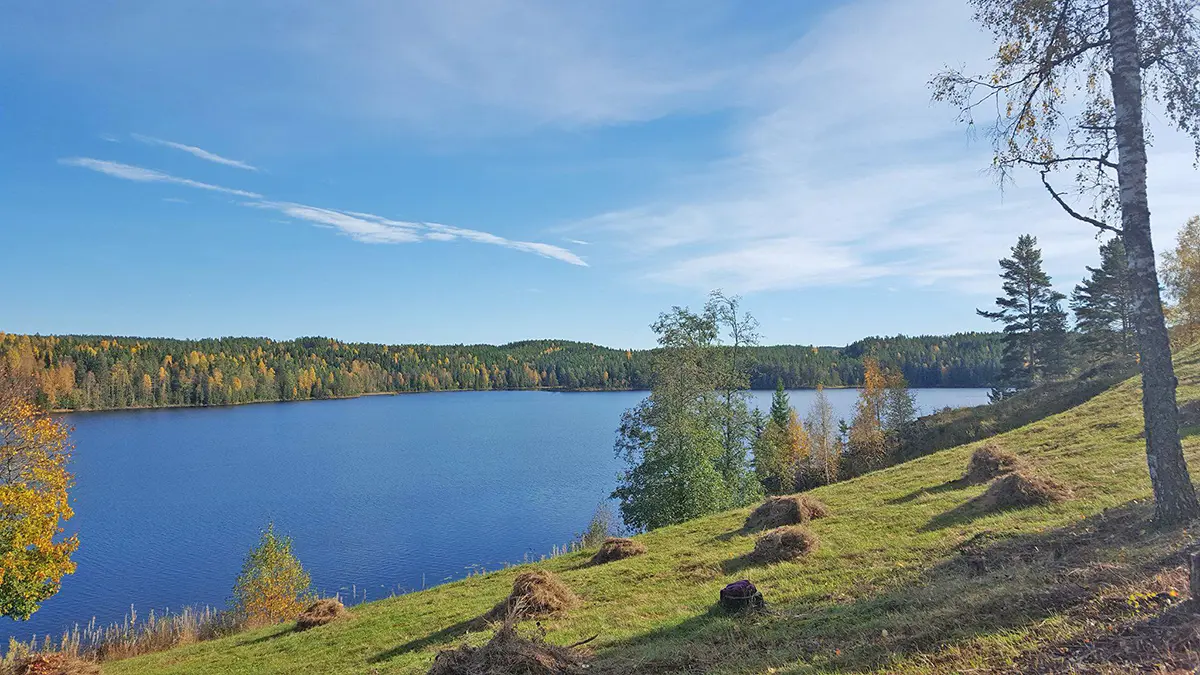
{"x":373,"y":229}
{"x":451,"y":68}
{"x":143,"y":175}
{"x":193,"y":150}
{"x":365,"y":227}
{"x":843,"y":172}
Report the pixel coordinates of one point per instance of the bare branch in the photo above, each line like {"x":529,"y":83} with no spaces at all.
{"x":1072,"y":212}
{"x":1102,"y":161}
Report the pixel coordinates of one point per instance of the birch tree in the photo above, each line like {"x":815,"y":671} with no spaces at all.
{"x":1068,"y":93}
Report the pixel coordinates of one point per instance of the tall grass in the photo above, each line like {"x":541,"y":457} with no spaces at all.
{"x":161,"y":631}
{"x":130,"y":637}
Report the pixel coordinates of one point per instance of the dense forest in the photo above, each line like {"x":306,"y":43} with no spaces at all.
{"x":84,"y":372}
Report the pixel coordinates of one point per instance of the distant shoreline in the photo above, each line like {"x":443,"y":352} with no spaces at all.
{"x":559,"y":390}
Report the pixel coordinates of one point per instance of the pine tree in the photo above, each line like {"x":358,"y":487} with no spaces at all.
{"x":1103,"y":308}
{"x":1125,"y":54}
{"x":781,"y":407}
{"x":1035,"y":325}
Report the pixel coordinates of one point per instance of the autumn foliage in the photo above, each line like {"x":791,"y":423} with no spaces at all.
{"x":273,"y":586}
{"x":35,"y":450}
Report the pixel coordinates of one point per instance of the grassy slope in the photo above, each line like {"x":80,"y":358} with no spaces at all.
{"x":902,"y":582}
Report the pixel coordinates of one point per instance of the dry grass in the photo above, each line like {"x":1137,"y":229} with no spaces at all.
{"x":132,"y":637}
{"x":321,"y":612}
{"x":1022,"y":488}
{"x":787,"y":510}
{"x":55,"y":664}
{"x":990,"y":461}
{"x":510,"y":653}
{"x":536,"y":592}
{"x":784,"y":543}
{"x":617,"y":548}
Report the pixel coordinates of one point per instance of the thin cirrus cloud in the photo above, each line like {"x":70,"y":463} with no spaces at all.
{"x":865,"y":184}
{"x":195,"y":151}
{"x":144,"y":175}
{"x":372,"y":229}
{"x":364,"y":227}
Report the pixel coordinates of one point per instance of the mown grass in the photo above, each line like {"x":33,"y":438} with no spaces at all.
{"x":910,"y":577}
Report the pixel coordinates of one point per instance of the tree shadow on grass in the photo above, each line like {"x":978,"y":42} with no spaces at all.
{"x":948,"y":486}
{"x":989,"y":585}
{"x":959,"y":515}
{"x":444,"y":635}
{"x":735,"y":565}
{"x":268,"y":637}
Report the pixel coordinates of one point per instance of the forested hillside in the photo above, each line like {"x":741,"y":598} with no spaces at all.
{"x":97,"y":372}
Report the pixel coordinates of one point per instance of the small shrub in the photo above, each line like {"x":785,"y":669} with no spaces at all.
{"x":788,"y":510}
{"x":602,"y":527}
{"x":784,"y":543}
{"x":534,"y":593}
{"x":509,"y":652}
{"x":321,"y":612}
{"x":272,"y":587}
{"x":1022,"y":488}
{"x":990,"y":461}
{"x":616,"y":548}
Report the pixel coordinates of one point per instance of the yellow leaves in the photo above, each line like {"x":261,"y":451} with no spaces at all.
{"x":34,"y":484}
{"x":273,"y":585}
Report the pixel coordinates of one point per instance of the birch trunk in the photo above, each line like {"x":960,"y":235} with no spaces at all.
{"x":1174,"y":495}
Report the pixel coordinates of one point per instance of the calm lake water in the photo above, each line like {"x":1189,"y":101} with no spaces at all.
{"x":380,"y":494}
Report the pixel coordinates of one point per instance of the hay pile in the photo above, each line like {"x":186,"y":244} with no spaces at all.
{"x":534,"y":593}
{"x":617,"y":548}
{"x":1022,"y":488}
{"x":989,"y":462}
{"x":55,"y":664}
{"x":789,"y":510}
{"x":508,"y":652}
{"x":784,"y":543}
{"x":321,"y":612}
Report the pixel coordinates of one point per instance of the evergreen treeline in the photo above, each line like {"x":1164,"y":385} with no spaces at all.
{"x":99,"y":372}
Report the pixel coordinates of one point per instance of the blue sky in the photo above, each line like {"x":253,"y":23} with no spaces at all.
{"x":486,"y":171}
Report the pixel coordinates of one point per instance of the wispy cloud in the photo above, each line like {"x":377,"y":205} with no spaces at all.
{"x":144,"y":175}
{"x":372,"y":229}
{"x":580,"y":242}
{"x":365,"y":227}
{"x":193,"y":150}
{"x":842,"y":173}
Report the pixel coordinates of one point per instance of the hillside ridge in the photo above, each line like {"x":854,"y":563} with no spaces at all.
{"x":910,"y":577}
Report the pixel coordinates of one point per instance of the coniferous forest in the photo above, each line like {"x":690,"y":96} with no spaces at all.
{"x":101,"y":372}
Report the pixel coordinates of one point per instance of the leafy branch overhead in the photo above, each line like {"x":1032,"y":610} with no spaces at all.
{"x":1047,"y":103}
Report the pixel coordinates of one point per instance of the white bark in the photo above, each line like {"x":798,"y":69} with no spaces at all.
{"x":1175,"y":498}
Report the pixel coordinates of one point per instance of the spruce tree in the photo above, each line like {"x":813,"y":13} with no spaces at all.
{"x":1035,"y":325}
{"x":1103,"y":307}
{"x":781,"y":406}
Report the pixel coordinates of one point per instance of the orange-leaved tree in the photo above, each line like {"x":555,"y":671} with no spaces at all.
{"x":867,"y":450}
{"x":34,"y":485}
{"x":273,"y":586}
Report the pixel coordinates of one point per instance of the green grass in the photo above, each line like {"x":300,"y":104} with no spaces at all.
{"x":909,"y":578}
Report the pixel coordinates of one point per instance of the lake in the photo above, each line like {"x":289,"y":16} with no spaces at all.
{"x":381,"y":494}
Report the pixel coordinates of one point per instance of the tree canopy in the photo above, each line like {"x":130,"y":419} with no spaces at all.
{"x":95,"y":372}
